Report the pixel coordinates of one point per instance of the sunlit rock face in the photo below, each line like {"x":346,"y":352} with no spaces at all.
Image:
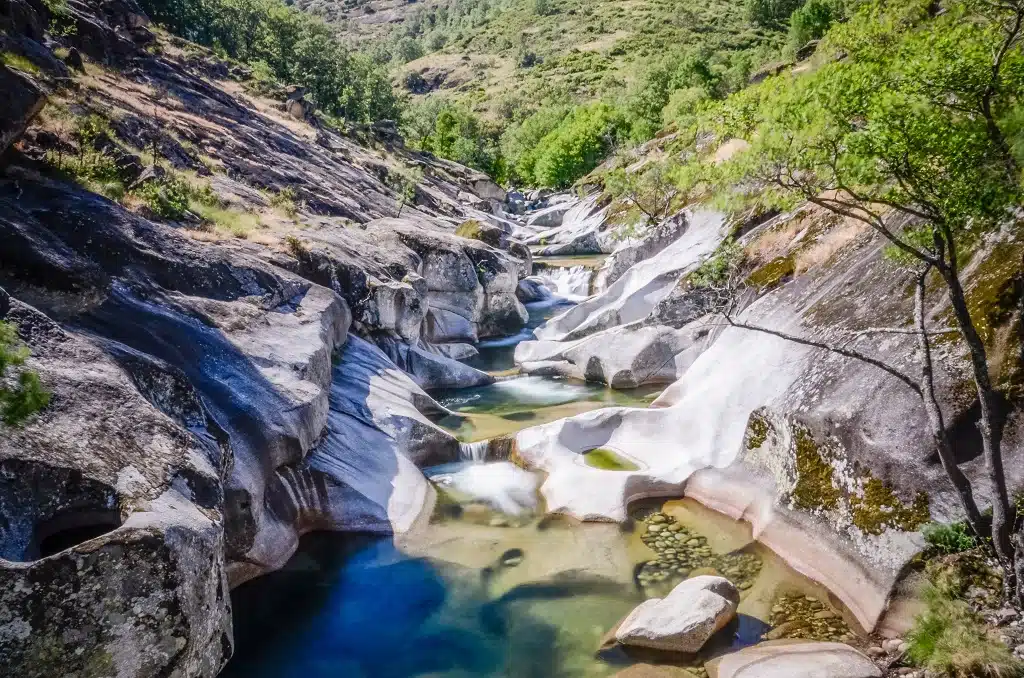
{"x":828,"y":458}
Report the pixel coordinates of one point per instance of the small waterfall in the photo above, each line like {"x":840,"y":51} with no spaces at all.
{"x":571,"y":283}
{"x":475,"y":452}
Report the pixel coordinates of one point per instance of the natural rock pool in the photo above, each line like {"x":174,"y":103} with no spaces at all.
{"x":484,"y":594}
{"x":518,"y":402}
{"x":492,"y":586}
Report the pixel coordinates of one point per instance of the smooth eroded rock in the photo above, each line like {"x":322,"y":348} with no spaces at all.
{"x":799,"y":659}
{"x":685,"y":619}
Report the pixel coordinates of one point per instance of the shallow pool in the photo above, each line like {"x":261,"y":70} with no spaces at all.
{"x":480,"y":594}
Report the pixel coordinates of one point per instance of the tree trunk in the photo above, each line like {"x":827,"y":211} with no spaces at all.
{"x":991,"y":428}
{"x":936,"y":420}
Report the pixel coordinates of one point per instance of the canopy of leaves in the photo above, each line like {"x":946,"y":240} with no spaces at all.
{"x":455,"y":133}
{"x":292,"y":45}
{"x":578,"y":144}
{"x":910,"y":120}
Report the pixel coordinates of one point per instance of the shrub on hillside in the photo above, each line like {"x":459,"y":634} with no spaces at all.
{"x":292,"y":45}
{"x":23,"y":396}
{"x":520,"y":144}
{"x":949,"y":538}
{"x":452,"y":132}
{"x":772,"y":13}
{"x":813,"y":20}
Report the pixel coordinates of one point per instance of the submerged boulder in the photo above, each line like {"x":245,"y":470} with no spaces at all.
{"x":685,"y":619}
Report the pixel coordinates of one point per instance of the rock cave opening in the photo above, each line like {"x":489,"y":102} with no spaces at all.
{"x":68,"y":530}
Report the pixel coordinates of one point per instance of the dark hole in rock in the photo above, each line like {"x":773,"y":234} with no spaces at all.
{"x":65,"y":531}
{"x":964,"y":433}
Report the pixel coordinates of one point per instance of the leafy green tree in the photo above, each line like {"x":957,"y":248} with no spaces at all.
{"x":908,"y":134}
{"x":454,"y":133}
{"x":578,"y":144}
{"x":520,"y":143}
{"x":813,"y":20}
{"x":287,"y":44}
{"x":654,"y":190}
{"x":21,"y":395}
{"x":772,"y":13}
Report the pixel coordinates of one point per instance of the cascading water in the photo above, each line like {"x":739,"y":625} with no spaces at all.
{"x":572,"y":283}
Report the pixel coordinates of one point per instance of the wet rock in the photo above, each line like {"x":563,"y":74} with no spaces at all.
{"x":684,"y":620}
{"x":512,"y":557}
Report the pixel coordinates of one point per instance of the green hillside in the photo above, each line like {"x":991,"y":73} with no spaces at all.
{"x":488,"y":80}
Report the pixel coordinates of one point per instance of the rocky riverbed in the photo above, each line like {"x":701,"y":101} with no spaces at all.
{"x":229,"y":407}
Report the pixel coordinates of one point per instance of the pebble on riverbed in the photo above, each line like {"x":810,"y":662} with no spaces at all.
{"x":806,"y":617}
{"x":681,"y":553}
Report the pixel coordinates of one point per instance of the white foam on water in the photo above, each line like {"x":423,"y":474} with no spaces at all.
{"x":501,"y":485}
{"x":572,"y":283}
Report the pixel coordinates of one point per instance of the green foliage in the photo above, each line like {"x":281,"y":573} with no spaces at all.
{"x":19,"y":62}
{"x":520,"y":143}
{"x":454,"y":133}
{"x":167,"y":198}
{"x":772,"y":13}
{"x":949,"y":538}
{"x":23,"y":395}
{"x":651,"y":189}
{"x":951,"y":639}
{"x":286,"y":201}
{"x":717,"y":269}
{"x":690,"y":71}
{"x":578,"y":144}
{"x":878,"y":126}
{"x":542,"y":7}
{"x":811,"y":21}
{"x":293,"y":46}
{"x":404,"y":183}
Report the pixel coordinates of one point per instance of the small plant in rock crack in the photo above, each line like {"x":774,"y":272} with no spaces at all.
{"x":23,"y":395}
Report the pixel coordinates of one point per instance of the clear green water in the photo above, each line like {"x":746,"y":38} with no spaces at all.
{"x":608,"y":460}
{"x":514,"y":404}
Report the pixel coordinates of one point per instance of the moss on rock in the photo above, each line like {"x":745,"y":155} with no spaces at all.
{"x":772,"y":273}
{"x":815,"y":478}
{"x":757,"y":431}
{"x":878,"y":508}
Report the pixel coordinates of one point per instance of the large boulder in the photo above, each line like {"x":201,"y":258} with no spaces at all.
{"x":622,"y":357}
{"x":685,"y":619}
{"x":635,"y":250}
{"x":794,"y":659}
{"x":634,"y":295}
{"x":21,"y":102}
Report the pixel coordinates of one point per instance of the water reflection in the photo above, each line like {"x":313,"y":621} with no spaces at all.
{"x":350,"y":606}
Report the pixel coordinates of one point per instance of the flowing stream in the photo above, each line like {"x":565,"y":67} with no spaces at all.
{"x":493,"y":587}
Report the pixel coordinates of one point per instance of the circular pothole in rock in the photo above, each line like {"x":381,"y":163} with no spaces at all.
{"x":47,"y":509}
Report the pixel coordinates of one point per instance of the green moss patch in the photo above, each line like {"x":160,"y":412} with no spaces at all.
{"x":878,"y":509}
{"x":995,"y":288}
{"x":772,"y":273}
{"x":873,"y":505}
{"x":469,"y":229}
{"x":757,"y":431}
{"x":815,"y":478}
{"x":608,"y":460}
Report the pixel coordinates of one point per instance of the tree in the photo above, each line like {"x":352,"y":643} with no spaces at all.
{"x":908,"y":135}
{"x":404,"y":183}
{"x":771,"y":13}
{"x":813,"y":20}
{"x":22,"y":395}
{"x":656,"y":190}
{"x":577,"y":145}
